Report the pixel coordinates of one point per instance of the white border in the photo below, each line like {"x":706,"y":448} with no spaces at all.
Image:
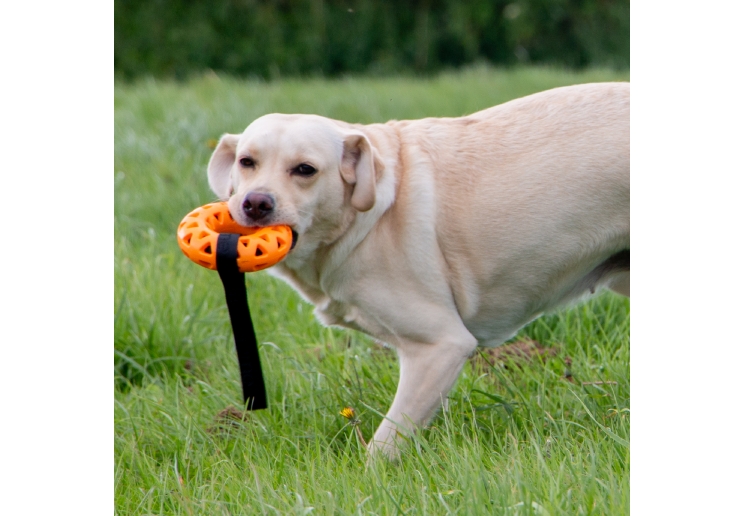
{"x":687,"y":351}
{"x":56,"y":189}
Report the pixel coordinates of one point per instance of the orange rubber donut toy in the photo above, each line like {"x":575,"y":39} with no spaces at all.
{"x":258,"y":248}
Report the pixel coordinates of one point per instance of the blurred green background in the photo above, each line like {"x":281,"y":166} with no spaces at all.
{"x":277,"y":38}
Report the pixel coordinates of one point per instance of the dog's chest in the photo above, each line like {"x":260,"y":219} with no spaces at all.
{"x":338,"y":313}
{"x":331,"y":311}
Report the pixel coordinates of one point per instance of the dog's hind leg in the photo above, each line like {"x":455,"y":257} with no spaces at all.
{"x":621,"y":284}
{"x":427,"y":373}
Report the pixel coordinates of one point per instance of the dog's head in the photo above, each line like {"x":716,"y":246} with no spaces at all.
{"x":305,"y":171}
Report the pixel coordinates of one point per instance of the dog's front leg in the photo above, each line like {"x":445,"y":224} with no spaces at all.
{"x":427,"y":373}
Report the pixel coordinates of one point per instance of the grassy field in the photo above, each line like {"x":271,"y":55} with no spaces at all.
{"x":518,"y":437}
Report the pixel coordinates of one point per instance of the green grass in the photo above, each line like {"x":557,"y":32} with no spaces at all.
{"x":518,"y":439}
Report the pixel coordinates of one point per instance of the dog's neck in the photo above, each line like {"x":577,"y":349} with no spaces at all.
{"x":312,"y":269}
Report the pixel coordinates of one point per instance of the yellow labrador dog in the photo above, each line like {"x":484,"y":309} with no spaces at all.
{"x":439,"y":235}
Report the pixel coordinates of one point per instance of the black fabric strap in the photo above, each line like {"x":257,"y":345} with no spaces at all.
{"x":254,"y":390}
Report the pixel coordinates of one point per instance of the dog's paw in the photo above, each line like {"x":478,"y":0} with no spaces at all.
{"x":387,"y":442}
{"x":383,"y":450}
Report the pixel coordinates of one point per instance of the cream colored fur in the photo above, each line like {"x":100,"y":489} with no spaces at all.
{"x":442,"y":234}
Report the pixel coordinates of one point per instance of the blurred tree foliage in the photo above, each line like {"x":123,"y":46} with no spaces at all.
{"x":271,"y":38}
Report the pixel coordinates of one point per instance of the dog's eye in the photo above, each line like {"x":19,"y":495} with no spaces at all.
{"x":247,"y":162}
{"x":304,"y":170}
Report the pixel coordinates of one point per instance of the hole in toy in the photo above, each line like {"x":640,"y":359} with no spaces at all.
{"x":208,"y":249}
{"x":187,"y":239}
{"x":258,"y":251}
{"x":203,"y":234}
{"x":205,"y":264}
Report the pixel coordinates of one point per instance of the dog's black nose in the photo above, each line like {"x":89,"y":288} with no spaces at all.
{"x":257,"y":205}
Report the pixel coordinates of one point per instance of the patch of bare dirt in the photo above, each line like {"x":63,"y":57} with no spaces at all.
{"x":518,"y":353}
{"x":227,"y":419}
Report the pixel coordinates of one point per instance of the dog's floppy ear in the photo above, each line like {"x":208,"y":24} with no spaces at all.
{"x":220,"y":165}
{"x":360,"y":166}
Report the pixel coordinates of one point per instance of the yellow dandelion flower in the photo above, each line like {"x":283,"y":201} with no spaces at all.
{"x":350,"y":414}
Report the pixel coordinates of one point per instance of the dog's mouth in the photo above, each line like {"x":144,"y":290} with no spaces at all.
{"x":273,"y":220}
